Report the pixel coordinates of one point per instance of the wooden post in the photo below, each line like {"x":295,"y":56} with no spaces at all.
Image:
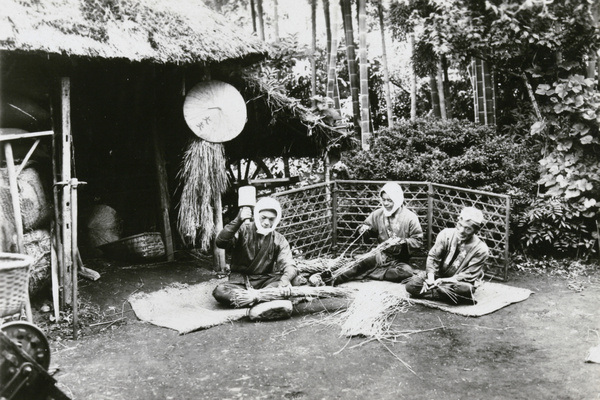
{"x":161,"y":178}
{"x":14,"y":194}
{"x":54,"y":266}
{"x":67,"y":272}
{"x":218,"y":254}
{"x":73,"y":187}
{"x":430,"y":195}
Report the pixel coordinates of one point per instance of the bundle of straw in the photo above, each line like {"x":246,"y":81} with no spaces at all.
{"x":318,"y":265}
{"x":203,"y":177}
{"x":249,"y":297}
{"x":371,"y":313}
{"x":377,"y":250}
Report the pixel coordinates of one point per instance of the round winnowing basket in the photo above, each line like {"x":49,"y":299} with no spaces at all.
{"x":215,"y":111}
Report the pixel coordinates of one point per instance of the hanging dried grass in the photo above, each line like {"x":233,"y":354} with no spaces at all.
{"x":248,"y":297}
{"x":372,"y":313}
{"x":202,"y":177}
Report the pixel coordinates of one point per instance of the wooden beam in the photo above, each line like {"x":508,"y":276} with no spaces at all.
{"x":24,"y":135}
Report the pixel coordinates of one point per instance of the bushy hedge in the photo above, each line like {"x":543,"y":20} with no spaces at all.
{"x":452,"y":152}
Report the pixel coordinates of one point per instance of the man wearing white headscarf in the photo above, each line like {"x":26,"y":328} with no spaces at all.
{"x":260,"y":256}
{"x":455,"y":263}
{"x":392,"y":219}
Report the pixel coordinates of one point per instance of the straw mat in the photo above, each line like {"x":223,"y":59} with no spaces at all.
{"x":490,"y":297}
{"x":184,"y":308}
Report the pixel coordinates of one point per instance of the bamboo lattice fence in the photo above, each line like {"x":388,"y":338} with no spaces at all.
{"x":321,"y":220}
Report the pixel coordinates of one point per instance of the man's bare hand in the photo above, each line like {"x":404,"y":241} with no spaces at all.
{"x":245,"y":213}
{"x":285,"y":290}
{"x":364,"y":228}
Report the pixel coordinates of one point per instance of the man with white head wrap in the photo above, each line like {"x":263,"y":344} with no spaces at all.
{"x":455,"y":263}
{"x":392,"y":219}
{"x":260,"y":256}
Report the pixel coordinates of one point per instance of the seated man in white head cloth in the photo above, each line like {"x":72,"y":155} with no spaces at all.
{"x":392,"y":219}
{"x":260,"y":256}
{"x":454,"y":264}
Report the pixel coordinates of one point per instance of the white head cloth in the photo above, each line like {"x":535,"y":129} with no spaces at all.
{"x":396,"y":194}
{"x":472,"y":214}
{"x":266,"y":203}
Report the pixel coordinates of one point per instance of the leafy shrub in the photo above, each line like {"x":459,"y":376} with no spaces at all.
{"x":451,"y":152}
{"x":554,"y":227}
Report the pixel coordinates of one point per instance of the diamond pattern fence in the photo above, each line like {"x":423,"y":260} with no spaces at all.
{"x":321,"y":220}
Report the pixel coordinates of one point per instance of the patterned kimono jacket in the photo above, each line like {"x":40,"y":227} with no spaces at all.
{"x":463,"y":261}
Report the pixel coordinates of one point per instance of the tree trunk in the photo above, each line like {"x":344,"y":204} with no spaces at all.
{"x":327,"y":15}
{"x":413,"y":83}
{"x":313,"y":50}
{"x":332,"y":25}
{"x":276,"y":18}
{"x":365,"y":117}
{"x":351,"y":56}
{"x":435,"y":99}
{"x":253,"y":13}
{"x":446,"y":82}
{"x":593,"y":64}
{"x":440,"y":90}
{"x":386,"y":73}
{"x":261,"y":20}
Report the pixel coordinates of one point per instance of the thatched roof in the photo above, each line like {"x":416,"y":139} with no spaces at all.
{"x":161,"y":31}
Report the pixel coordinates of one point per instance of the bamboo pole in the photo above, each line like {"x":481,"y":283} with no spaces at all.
{"x":386,"y":73}
{"x":313,"y":51}
{"x":365,"y":117}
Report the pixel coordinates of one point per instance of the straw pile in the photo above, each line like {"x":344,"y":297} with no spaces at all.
{"x":249,"y":297}
{"x":371,"y":314}
{"x":37,"y":244}
{"x":203,"y":177}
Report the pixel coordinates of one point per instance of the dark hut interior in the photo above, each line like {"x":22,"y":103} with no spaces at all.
{"x":118,"y":107}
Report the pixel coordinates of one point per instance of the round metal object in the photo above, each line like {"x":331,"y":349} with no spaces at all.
{"x":215,"y":111}
{"x":30,"y":339}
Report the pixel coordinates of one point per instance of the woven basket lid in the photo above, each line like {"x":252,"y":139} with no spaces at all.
{"x":215,"y":111}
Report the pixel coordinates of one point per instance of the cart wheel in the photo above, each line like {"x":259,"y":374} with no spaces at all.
{"x":30,"y":339}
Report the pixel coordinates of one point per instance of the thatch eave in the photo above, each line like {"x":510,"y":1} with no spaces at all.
{"x":181,"y":32}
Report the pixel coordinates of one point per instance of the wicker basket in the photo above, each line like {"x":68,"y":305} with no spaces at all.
{"x":14,"y":278}
{"x":143,"y":246}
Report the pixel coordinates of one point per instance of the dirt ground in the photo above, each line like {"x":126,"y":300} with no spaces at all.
{"x":530,"y":350}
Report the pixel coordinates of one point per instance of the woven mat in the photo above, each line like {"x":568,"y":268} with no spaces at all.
{"x":490,"y":297}
{"x":184,"y":308}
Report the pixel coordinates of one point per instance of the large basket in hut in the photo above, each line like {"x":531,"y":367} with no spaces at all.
{"x":143,"y":246}
{"x":14,"y":287}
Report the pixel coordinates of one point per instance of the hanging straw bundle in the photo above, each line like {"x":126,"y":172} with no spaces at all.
{"x":203,"y":177}
{"x":249,"y":297}
{"x":371,"y":313}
